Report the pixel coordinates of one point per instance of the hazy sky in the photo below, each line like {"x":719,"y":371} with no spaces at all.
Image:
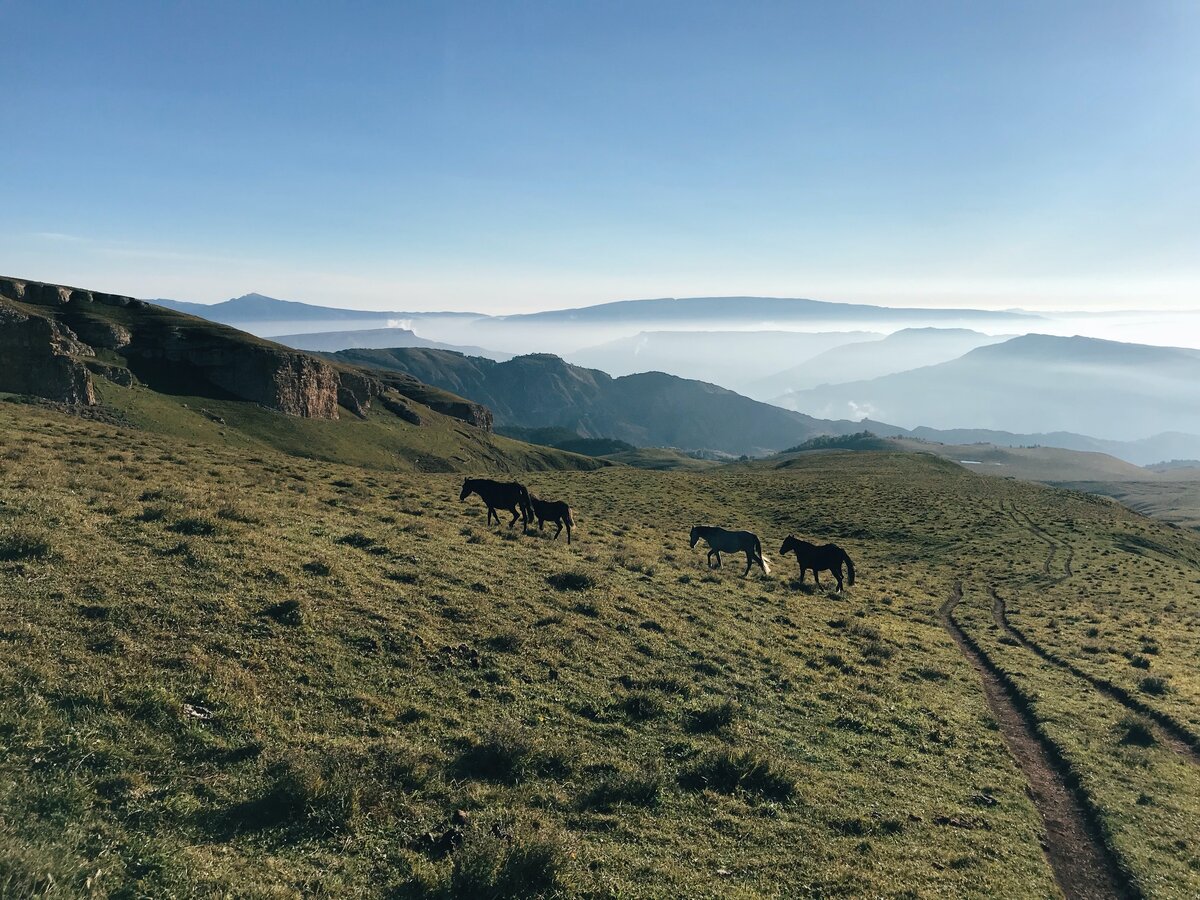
{"x":512,"y":156}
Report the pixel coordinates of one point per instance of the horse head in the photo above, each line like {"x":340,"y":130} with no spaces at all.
{"x":695,"y":536}
{"x":789,"y":544}
{"x":466,"y":490}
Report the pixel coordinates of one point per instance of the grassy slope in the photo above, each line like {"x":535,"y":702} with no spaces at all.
{"x":661,"y":458}
{"x":381,"y":441}
{"x":275,"y":676}
{"x":1049,"y":464}
{"x":1173,"y":498}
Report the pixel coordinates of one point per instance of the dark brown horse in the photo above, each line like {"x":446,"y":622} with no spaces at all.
{"x":825,"y":558}
{"x":555,"y":511}
{"x":508,"y":495}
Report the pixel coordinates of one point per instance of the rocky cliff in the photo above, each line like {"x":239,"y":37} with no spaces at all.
{"x":54,"y":339}
{"x":41,"y":357}
{"x":48,"y":330}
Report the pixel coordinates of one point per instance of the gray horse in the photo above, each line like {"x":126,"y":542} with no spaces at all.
{"x":722,"y":541}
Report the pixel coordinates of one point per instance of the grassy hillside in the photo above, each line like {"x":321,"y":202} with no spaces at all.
{"x":255,"y":674}
{"x":382,"y":441}
{"x":1050,"y":464}
{"x":651,"y":409}
{"x":1171,"y":499}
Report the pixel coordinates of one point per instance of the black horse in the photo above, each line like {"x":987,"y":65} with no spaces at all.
{"x":556,"y":511}
{"x":826,"y":558}
{"x":722,"y":541}
{"x":507,"y":495}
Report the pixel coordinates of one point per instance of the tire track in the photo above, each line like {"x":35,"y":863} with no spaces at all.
{"x":1172,"y":733}
{"x":1023,"y":521}
{"x":1084,"y":866}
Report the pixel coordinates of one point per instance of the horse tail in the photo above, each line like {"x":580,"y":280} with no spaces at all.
{"x":570,"y":520}
{"x":762,"y":559}
{"x":849,"y":567}
{"x":526,"y":505}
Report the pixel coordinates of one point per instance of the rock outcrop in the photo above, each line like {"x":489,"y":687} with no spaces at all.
{"x":54,"y":339}
{"x":38,"y":356}
{"x":356,"y":390}
{"x":49,"y":327}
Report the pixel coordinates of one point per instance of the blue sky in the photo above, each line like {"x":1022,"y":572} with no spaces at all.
{"x":524,"y":155}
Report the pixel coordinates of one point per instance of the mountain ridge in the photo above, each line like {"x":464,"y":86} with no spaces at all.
{"x":1033,"y":384}
{"x":646,"y":409}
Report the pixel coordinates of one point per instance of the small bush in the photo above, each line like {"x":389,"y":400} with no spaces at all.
{"x":507,"y":642}
{"x":734,"y":771}
{"x":1139,"y":662}
{"x":877,"y":652}
{"x":863,"y":630}
{"x":1136,"y":732}
{"x":231,"y":513}
{"x":508,"y":756}
{"x":24,"y":543}
{"x":508,"y":864}
{"x":333,"y":789}
{"x":357,"y":540}
{"x":643,"y":705}
{"x":714,"y":717}
{"x":288,"y":612}
{"x":1153,"y":684}
{"x":193,"y":526}
{"x":625,"y":788}
{"x":571,"y":581}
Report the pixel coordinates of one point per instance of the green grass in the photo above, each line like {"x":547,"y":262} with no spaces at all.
{"x":381,"y":441}
{"x":239,"y":671}
{"x":661,"y":459}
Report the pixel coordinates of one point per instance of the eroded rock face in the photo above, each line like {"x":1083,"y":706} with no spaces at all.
{"x":103,"y":334}
{"x":37,"y":356}
{"x":41,"y":354}
{"x":356,"y":390}
{"x":289,"y":382}
{"x":40,"y":294}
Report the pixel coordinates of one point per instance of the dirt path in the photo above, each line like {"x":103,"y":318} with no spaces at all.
{"x":1170,"y":732}
{"x":1083,"y":866}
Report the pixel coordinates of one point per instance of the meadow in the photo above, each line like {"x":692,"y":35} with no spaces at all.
{"x":231,"y":670}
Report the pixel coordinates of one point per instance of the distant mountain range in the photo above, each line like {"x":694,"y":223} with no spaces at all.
{"x":654,"y":409}
{"x":261,"y":308}
{"x":1136,"y":402}
{"x":732,"y":359}
{"x":568,"y":330}
{"x":647,"y":410}
{"x":375,"y":338}
{"x":908,"y":348}
{"x":1033,"y":383}
{"x":739,"y":309}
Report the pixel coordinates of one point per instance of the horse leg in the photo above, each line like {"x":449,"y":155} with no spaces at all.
{"x":749,"y":562}
{"x":568,"y":534}
{"x":817,"y":579}
{"x":516,"y":515}
{"x":718,"y":552}
{"x":492,"y":512}
{"x":557,"y":533}
{"x":837,"y":573}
